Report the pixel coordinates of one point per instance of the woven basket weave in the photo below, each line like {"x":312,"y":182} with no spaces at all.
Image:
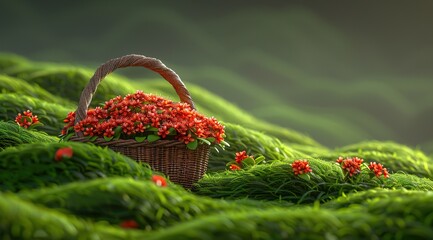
{"x":172,"y":157}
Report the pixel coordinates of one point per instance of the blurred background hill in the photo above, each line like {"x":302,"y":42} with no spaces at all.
{"x":338,"y":71}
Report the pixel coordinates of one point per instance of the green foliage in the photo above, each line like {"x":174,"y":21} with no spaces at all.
{"x":395,"y":157}
{"x":14,"y":85}
{"x":68,"y":82}
{"x":151,"y":206}
{"x":372,"y":196}
{"x":50,"y":114}
{"x":276,"y":181}
{"x":305,"y":223}
{"x":8,"y":61}
{"x":24,"y":220}
{"x":265,"y":201}
{"x":11,"y":134}
{"x":308,"y":223}
{"x":34,"y":165}
{"x":254,"y":142}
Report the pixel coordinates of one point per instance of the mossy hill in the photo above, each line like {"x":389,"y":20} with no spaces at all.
{"x":94,"y":192}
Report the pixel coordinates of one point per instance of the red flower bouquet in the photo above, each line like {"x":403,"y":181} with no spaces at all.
{"x":173,"y":138}
{"x":141,"y":117}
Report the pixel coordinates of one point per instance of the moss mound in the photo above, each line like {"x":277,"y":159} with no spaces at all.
{"x":33,"y":165}
{"x":266,"y":201}
{"x":395,"y":157}
{"x":24,"y":220}
{"x":12,"y":135}
{"x":68,"y":82}
{"x":372,"y":196}
{"x":151,"y":206}
{"x":277,"y":182}
{"x":303,"y":223}
{"x":254,"y":142}
{"x":50,"y":114}
{"x":14,"y":85}
{"x":8,"y":60}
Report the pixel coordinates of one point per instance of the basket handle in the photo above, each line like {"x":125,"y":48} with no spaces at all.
{"x":132,"y":60}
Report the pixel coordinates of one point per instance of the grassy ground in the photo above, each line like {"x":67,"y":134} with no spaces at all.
{"x":92,"y":194}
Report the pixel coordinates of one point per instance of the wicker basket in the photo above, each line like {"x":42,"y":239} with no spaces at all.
{"x":172,"y":157}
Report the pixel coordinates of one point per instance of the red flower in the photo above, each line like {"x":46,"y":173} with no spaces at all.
{"x":240,"y":156}
{"x":62,"y":153}
{"x":378,"y":169}
{"x":234,"y":167}
{"x":301,"y":167}
{"x":159,"y":180}
{"x":129,"y":224}
{"x":26,"y":119}
{"x":138,"y":112}
{"x":351,"y":165}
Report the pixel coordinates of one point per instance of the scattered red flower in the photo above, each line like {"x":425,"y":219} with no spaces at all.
{"x":159,"y":180}
{"x":129,"y":224}
{"x":62,"y":153}
{"x":351,"y":165}
{"x":301,"y":167}
{"x":378,"y":169}
{"x":234,"y":167}
{"x":240,"y":156}
{"x":26,"y":119}
{"x":139,"y":112}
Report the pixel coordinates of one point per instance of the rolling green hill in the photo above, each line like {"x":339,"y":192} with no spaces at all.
{"x":97,"y":193}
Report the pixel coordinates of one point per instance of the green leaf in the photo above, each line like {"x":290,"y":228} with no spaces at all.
{"x":140,"y":139}
{"x":172,"y":131}
{"x":259,"y":159}
{"x":153,"y":138}
{"x":225,"y":143}
{"x":68,"y":136}
{"x":248,"y":162}
{"x":152,"y":129}
{"x":92,"y":139}
{"x":108,"y":138}
{"x":211,"y":139}
{"x":204,"y":140}
{"x":118,"y":130}
{"x":192,"y":145}
{"x":305,"y":176}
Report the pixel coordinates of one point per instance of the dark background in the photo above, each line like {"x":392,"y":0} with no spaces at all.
{"x":339,"y":71}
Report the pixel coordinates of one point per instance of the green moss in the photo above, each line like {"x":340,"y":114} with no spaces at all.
{"x":8,"y":60}
{"x":254,"y":142}
{"x":34,"y":165}
{"x":276,"y":181}
{"x":372,"y":196}
{"x":305,"y":223}
{"x":151,"y":206}
{"x":68,"y":82}
{"x":50,"y":114}
{"x":14,"y":85}
{"x":395,"y":157}
{"x":24,"y":220}
{"x":12,"y":135}
{"x":310,"y":150}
